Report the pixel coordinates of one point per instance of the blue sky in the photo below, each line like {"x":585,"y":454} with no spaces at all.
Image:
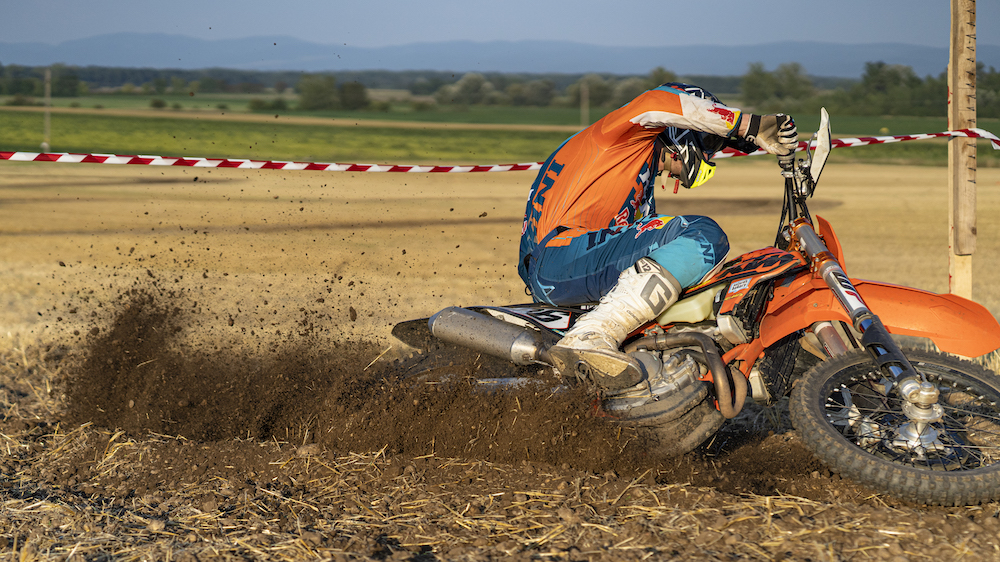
{"x":374,"y":23}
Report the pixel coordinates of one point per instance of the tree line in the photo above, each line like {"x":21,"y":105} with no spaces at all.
{"x":883,"y":89}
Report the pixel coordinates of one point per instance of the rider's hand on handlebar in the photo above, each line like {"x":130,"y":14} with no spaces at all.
{"x":775,"y":133}
{"x":788,"y":138}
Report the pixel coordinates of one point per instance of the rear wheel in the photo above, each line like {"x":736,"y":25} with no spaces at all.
{"x":686,"y":432}
{"x":849,"y":417}
{"x":675,"y":422}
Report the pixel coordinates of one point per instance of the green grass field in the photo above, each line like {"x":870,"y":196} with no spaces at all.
{"x":168,"y":133}
{"x":238,"y":139}
{"x":403,"y":111}
{"x":397,"y":111}
{"x":234,"y":102}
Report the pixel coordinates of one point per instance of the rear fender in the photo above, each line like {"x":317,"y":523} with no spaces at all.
{"x":956,"y":325}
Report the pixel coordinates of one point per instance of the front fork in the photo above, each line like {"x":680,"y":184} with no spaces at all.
{"x":920,"y":396}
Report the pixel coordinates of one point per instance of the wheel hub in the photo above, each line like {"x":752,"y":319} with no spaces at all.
{"x":918,"y":438}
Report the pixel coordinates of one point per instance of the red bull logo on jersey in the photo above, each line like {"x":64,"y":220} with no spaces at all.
{"x":621,"y":219}
{"x":653,"y":224}
{"x":727,"y":115}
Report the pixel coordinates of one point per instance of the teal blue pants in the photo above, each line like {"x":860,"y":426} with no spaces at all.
{"x":688,"y":246}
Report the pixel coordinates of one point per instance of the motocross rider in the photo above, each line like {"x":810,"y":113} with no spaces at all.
{"x":591,"y":231}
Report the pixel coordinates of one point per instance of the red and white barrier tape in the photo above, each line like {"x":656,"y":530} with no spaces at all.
{"x":864,"y":141}
{"x":330,"y":167}
{"x":248,"y":164}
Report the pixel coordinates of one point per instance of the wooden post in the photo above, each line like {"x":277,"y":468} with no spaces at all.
{"x":46,"y":123}
{"x":584,"y":103}
{"x":961,"y":150}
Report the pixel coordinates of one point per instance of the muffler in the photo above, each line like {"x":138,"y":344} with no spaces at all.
{"x":489,"y":335}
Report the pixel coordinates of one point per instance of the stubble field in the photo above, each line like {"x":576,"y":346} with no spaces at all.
{"x":196,"y":364}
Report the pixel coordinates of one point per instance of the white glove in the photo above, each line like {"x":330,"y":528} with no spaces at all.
{"x":775,"y":133}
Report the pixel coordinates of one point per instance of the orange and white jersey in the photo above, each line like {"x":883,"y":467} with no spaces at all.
{"x":604,"y":176}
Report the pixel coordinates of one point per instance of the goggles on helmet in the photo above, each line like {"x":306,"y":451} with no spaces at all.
{"x":693,"y":150}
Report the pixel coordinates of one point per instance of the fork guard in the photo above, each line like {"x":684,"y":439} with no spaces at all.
{"x":956,"y":325}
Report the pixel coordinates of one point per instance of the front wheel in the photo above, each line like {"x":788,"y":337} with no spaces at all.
{"x":851,"y":418}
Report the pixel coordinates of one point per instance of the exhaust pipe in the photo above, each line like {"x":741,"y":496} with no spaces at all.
{"x":489,"y":335}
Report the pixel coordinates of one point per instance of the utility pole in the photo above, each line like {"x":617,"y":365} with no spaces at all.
{"x":961,"y":150}
{"x":46,"y":127}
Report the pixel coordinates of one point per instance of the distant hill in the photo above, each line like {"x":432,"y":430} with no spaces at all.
{"x":156,"y":50}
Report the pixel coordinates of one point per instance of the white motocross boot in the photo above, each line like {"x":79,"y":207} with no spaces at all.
{"x":590,"y":349}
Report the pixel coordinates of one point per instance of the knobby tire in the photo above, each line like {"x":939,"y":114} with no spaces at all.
{"x":845,"y":417}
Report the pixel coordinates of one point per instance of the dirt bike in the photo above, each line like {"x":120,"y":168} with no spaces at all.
{"x":921,"y":425}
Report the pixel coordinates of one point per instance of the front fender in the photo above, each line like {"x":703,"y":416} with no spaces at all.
{"x":956,"y":325}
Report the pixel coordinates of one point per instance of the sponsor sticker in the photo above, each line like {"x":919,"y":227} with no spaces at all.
{"x":739,"y":285}
{"x":851,"y":299}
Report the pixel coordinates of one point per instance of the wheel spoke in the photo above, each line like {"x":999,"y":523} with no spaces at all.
{"x":968,"y":437}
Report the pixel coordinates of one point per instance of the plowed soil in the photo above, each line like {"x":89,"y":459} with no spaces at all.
{"x":200,"y":368}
